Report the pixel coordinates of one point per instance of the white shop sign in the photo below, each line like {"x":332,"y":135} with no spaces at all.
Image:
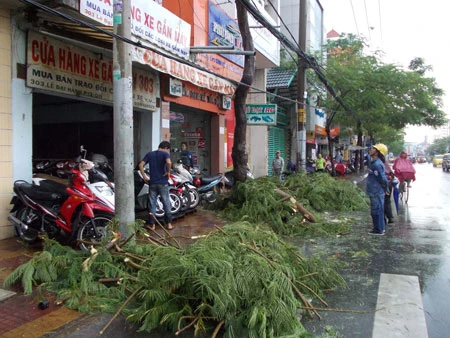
{"x":149,"y":21}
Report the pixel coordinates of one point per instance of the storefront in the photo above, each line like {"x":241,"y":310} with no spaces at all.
{"x":73,"y":97}
{"x":200,"y":118}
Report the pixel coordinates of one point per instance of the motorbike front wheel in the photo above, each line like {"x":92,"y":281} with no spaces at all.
{"x":195,"y":198}
{"x":86,"y":233}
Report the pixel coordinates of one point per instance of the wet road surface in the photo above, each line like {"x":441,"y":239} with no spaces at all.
{"x":417,"y":244}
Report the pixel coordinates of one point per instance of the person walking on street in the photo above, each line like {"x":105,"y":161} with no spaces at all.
{"x":387,"y":198}
{"x":159,"y":164}
{"x":320,"y":163}
{"x":277,"y":164}
{"x":377,"y":186}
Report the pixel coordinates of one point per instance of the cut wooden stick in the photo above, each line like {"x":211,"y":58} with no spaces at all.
{"x":310,"y":217}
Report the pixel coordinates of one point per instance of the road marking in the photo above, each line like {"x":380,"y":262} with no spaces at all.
{"x":399,"y":308}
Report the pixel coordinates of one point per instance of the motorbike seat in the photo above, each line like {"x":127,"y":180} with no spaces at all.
{"x":209,"y":179}
{"x":36,"y":192}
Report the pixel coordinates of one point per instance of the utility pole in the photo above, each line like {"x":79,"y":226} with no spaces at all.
{"x":301,"y":87}
{"x":123,"y":119}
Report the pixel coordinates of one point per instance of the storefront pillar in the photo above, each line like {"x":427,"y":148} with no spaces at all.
{"x":218,"y":152}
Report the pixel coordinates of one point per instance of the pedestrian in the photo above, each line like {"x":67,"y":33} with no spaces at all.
{"x":159,"y":164}
{"x":338,"y":157}
{"x":377,"y":186}
{"x":186,"y":155}
{"x":277,"y":164}
{"x":387,"y":198}
{"x":320,"y":163}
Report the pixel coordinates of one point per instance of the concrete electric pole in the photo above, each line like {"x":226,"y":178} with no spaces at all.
{"x":123,"y":119}
{"x":301,"y":87}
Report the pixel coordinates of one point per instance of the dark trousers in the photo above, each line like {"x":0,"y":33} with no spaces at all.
{"x":388,"y":205}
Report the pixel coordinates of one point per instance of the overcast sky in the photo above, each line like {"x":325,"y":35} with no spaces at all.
{"x":403,"y":30}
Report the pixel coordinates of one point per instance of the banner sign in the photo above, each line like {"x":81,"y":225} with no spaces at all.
{"x":182,"y":71}
{"x":149,"y":21}
{"x":261,"y":114}
{"x":224,"y":32}
{"x":59,"y":67}
{"x":319,"y":130}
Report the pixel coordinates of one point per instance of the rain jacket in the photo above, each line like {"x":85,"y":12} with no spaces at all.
{"x":377,"y":183}
{"x":404,"y":168}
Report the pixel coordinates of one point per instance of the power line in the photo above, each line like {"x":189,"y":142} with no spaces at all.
{"x":381,"y":31}
{"x":368,"y":25}
{"x":354,"y":17}
{"x":309,"y":61}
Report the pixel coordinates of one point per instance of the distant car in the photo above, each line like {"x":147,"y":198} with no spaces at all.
{"x":421,"y":159}
{"x":446,"y":162}
{"x":437,"y":160}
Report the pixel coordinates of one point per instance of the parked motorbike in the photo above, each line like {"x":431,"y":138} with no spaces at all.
{"x":340,"y":168}
{"x":73,"y":214}
{"x":101,"y":162}
{"x":231,"y":181}
{"x":43,"y":166}
{"x":208,"y":186}
{"x":141,"y":190}
{"x":62,"y":168}
{"x":183,"y":178}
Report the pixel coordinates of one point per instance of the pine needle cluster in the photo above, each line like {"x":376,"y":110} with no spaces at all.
{"x":241,"y":279}
{"x":258,"y":202}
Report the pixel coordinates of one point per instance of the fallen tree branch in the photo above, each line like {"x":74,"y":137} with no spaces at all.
{"x":310,"y":217}
{"x":120,"y":309}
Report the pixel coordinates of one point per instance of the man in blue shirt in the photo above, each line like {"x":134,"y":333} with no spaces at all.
{"x":377,"y":186}
{"x":159,"y":164}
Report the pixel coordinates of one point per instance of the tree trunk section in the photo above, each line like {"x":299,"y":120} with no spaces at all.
{"x":239,"y":154}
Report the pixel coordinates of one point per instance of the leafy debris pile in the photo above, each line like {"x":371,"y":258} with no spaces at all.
{"x":258,"y":202}
{"x":240,"y":280}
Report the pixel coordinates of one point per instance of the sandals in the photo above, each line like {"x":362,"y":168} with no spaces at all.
{"x":170,"y":227}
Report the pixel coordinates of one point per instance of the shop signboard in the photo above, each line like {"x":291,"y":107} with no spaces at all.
{"x":261,"y":114}
{"x":149,"y":21}
{"x":224,"y":32}
{"x":183,"y":71}
{"x":59,"y":67}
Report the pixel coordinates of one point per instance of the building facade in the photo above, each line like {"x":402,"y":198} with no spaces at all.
{"x":57,"y":75}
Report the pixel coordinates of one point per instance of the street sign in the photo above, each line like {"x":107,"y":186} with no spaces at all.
{"x":261,"y":114}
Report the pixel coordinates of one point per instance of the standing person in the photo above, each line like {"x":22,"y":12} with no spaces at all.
{"x":186,"y":156}
{"x":338,"y":157}
{"x":377,"y":186}
{"x":387,"y":198}
{"x":277,"y":164}
{"x":320,"y":163}
{"x":159,"y":164}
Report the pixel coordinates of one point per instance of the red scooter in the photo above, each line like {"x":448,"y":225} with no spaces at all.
{"x":73,"y":214}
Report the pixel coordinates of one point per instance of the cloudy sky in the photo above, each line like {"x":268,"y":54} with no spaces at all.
{"x":403,"y":30}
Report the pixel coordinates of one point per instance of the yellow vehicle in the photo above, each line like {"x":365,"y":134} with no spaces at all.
{"x":437,"y":160}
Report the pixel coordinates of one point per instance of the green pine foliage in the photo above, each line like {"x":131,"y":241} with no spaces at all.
{"x":256,"y":201}
{"x":242,"y":276}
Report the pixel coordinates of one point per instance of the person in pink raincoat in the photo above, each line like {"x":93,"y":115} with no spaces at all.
{"x":404,"y":170}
